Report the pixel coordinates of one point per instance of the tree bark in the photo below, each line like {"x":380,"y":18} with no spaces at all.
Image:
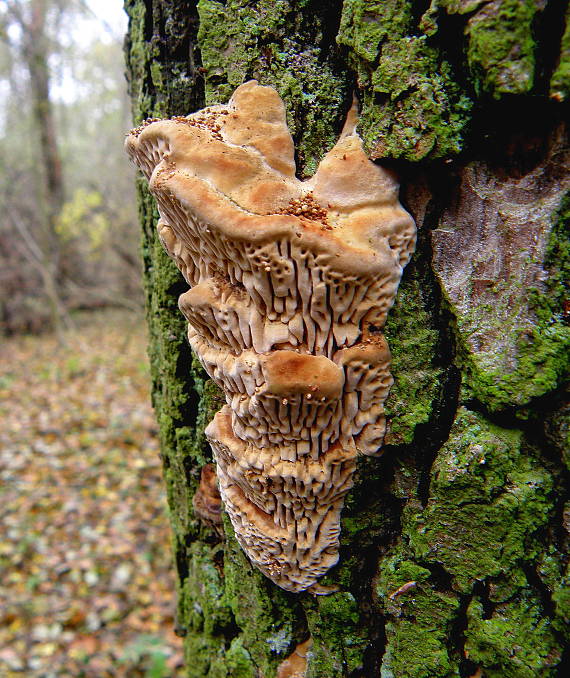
{"x":31,"y":20}
{"x":453,"y":542}
{"x":36,"y":52}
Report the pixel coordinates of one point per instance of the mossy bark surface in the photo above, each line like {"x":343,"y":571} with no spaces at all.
{"x":454,"y":541}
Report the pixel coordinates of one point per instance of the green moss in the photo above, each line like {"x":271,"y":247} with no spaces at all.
{"x":561,"y":599}
{"x":413,"y":341}
{"x":414,"y":109}
{"x":206,"y":615}
{"x":535,"y":359}
{"x":206,"y":657}
{"x":420,"y":621}
{"x":267,"y":616}
{"x":206,"y":608}
{"x":430,"y":19}
{"x":560,"y":81}
{"x":137,"y":56}
{"x":210,"y":400}
{"x":339,"y":644}
{"x":238,"y":661}
{"x":279,"y":45}
{"x":235,"y":662}
{"x":514,"y":641}
{"x":555,"y":573}
{"x":366,"y":25}
{"x":550,"y":306}
{"x":215,"y":607}
{"x":500,"y":43}
{"x":489,"y":499}
{"x":542,"y":362}
{"x":200,"y":652}
{"x":557,"y":429}
{"x":412,"y":106}
{"x":501,"y":47}
{"x":490,"y":502}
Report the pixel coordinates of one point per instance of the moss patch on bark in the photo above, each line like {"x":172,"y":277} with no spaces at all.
{"x":413,"y":340}
{"x":489,"y":499}
{"x":338,"y":644}
{"x":501,"y":47}
{"x":286,"y":45}
{"x":468,"y":560}
{"x":412,"y":104}
{"x":560,"y":81}
{"x":421,"y":619}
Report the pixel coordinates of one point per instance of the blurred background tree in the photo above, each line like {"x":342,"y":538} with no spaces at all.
{"x":67,"y":234}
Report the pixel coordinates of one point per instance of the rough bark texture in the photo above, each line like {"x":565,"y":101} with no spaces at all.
{"x":452,"y":558}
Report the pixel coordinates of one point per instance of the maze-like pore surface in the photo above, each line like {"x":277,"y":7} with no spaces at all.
{"x":290,"y":285}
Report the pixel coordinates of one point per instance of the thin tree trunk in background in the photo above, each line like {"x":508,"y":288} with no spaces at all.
{"x":37,"y":53}
{"x":51,"y":186}
{"x":453,"y":545}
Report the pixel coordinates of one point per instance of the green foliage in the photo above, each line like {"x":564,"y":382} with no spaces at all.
{"x":81,"y":218}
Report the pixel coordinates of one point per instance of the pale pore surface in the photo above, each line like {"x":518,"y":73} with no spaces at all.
{"x":290,"y":283}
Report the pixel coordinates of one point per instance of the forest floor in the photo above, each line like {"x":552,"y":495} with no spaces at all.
{"x":86,"y":580}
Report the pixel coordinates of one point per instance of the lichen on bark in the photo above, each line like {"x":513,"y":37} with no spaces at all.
{"x":500,"y":255}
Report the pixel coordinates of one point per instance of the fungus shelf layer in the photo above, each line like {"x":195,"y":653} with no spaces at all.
{"x":290,"y":284}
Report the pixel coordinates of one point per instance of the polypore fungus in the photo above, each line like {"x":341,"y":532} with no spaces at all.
{"x":290,"y":282}
{"x":207,"y":502}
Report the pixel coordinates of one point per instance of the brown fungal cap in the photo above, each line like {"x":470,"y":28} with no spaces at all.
{"x":288,"y":374}
{"x":295,"y":666}
{"x":257,"y":120}
{"x":235,"y":162}
{"x":145,"y":123}
{"x":291,"y":282}
{"x":207,"y":501}
{"x":208,"y":122}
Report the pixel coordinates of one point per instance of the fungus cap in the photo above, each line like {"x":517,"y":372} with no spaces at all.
{"x":291,"y":282}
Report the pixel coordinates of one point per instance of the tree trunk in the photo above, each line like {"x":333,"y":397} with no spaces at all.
{"x":50,"y":192}
{"x":36,"y":51}
{"x":453,"y":542}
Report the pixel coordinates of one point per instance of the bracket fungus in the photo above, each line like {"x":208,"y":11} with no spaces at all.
{"x":290,"y":284}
